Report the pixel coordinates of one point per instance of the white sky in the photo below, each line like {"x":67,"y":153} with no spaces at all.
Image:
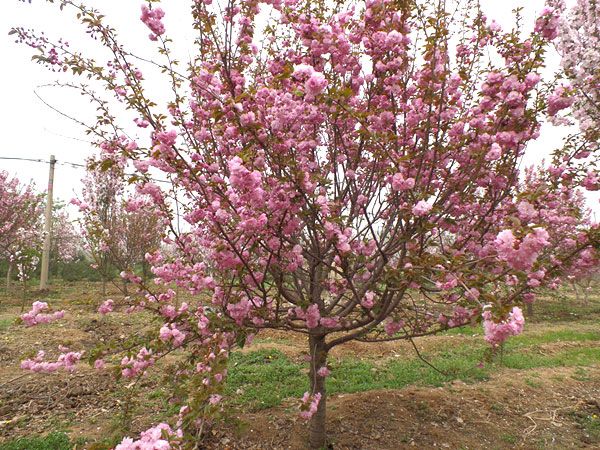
{"x":29,"y":129}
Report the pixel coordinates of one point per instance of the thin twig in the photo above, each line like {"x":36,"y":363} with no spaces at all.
{"x":424,"y":360}
{"x":15,"y":379}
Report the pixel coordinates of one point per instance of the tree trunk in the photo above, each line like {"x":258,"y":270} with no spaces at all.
{"x":103,"y":287}
{"x":24,"y":297}
{"x":529,"y":310}
{"x":8,"y":276}
{"x":574,"y":286}
{"x":586,"y":292}
{"x":125,"y":292}
{"x":318,"y":359}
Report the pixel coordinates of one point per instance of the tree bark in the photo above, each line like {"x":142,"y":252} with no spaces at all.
{"x":24,"y":296}
{"x":103,"y":286}
{"x":586,"y":292}
{"x":8,"y":276}
{"x":574,"y":286}
{"x":318,"y":358}
{"x":529,"y":310}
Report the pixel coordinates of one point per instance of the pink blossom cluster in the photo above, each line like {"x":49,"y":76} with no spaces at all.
{"x":399,"y":183}
{"x":309,"y":405}
{"x":314,"y":82}
{"x":65,"y":360}
{"x":170,"y":333}
{"x":152,"y":19}
{"x":558,"y":100}
{"x":160,"y":437}
{"x":422,"y":208}
{"x":521,"y":256}
{"x":35,"y":316}
{"x":324,"y":372}
{"x":548,"y":22}
{"x":134,"y":366}
{"x":246,"y":181}
{"x":368,"y":300}
{"x":311,"y":315}
{"x":497,"y":333}
{"x":392,"y":327}
{"x":240,"y":310}
{"x":106,"y":307}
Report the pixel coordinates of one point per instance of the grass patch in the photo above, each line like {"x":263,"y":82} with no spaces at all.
{"x":552,"y":336}
{"x":567,"y":358}
{"x":264,"y":378}
{"x":53,"y":441}
{"x":590,"y":425}
{"x":5,"y":324}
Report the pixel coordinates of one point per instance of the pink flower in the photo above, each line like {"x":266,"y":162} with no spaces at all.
{"x":106,"y":307}
{"x":132,"y":367}
{"x":315,"y":84}
{"x":494,"y":153}
{"x":312,"y":316}
{"x":142,"y":123}
{"x":399,"y":183}
{"x":99,"y":364}
{"x":214,"y":399}
{"x":239,"y":311}
{"x":521,"y":256}
{"x":324,"y":372}
{"x":151,"y":439}
{"x":141,"y":165}
{"x":152,"y":19}
{"x":497,"y":333}
{"x":65,"y":360}
{"x":421,"y":209}
{"x":35,"y":316}
{"x":547,"y":23}
{"x":368,"y":300}
{"x":559,"y":100}
{"x":310,"y":404}
{"x":391,"y":328}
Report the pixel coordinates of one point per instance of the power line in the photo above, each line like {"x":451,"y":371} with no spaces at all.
{"x":67,"y":163}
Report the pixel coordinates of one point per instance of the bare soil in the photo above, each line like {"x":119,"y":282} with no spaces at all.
{"x":541,"y":408}
{"x":503,"y":413}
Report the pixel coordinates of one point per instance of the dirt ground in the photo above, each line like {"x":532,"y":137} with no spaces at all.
{"x":508,"y":411}
{"x":503,"y":413}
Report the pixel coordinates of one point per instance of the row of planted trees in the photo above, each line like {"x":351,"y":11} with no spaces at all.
{"x":345,"y":171}
{"x":108,"y":234}
{"x":20,"y":228}
{"x":118,"y":228}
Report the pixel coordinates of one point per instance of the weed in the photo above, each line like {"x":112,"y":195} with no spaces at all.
{"x":53,"y":441}
{"x":509,"y":438}
{"x":5,"y":324}
{"x":581,"y":374}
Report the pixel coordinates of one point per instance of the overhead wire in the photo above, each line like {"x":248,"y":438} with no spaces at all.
{"x":68,"y":163}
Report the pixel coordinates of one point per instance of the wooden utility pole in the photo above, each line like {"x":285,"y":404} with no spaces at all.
{"x":48,"y":227}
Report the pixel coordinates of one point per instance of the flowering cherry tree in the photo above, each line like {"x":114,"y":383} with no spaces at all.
{"x":98,"y":214}
{"x":567,"y":223}
{"x":578,"y":43}
{"x":66,"y":240}
{"x":20,"y":226}
{"x":119,"y":228}
{"x":346,"y":171}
